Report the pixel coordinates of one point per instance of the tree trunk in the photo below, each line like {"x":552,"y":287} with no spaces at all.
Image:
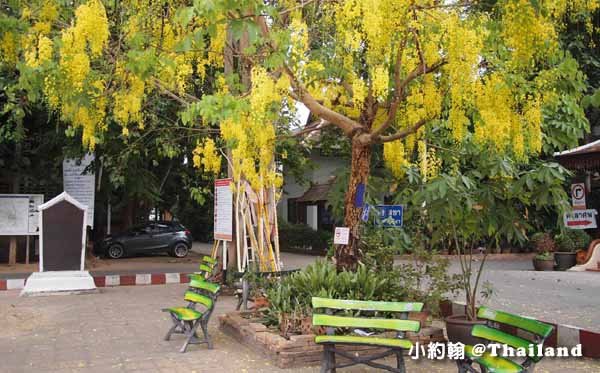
{"x":347,"y":256}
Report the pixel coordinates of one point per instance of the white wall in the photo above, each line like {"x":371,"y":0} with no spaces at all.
{"x":324,"y":169}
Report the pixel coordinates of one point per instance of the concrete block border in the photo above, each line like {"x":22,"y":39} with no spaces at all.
{"x":563,"y":336}
{"x":113,"y":280}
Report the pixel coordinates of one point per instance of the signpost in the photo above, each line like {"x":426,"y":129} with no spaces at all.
{"x":19,"y":217}
{"x":390,"y":216}
{"x":580,"y":219}
{"x":80,"y":185}
{"x":578,"y":196}
{"x":341,"y":236}
{"x":223,"y":229}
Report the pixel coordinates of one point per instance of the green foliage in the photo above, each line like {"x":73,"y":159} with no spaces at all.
{"x":295,"y":237}
{"x":572,"y":240}
{"x":545,"y":256}
{"x":294,"y":293}
{"x":542,"y":242}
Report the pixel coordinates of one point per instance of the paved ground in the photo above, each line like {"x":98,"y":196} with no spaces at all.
{"x":121,"y":329}
{"x":559,"y":297}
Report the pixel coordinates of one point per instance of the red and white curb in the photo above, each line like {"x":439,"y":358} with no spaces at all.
{"x":562,"y":336}
{"x":114,"y":280}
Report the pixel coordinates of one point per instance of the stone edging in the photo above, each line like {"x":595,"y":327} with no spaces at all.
{"x":562,"y":336}
{"x":298,"y":351}
{"x":114,"y":280}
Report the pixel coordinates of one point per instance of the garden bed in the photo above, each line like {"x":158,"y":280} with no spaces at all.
{"x":298,"y":350}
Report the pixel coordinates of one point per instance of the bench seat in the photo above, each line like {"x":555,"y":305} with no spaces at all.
{"x":185,"y":313}
{"x":372,"y":341}
{"x":494,"y":364}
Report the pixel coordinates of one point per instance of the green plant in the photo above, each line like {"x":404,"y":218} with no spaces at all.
{"x":579,"y":238}
{"x":426,"y":279}
{"x":542,"y":242}
{"x":290,"y":299}
{"x":294,"y":237}
{"x":545,"y":256}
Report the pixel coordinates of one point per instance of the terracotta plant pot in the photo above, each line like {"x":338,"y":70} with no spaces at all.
{"x":459,"y":329}
{"x":543,"y":265}
{"x":565,"y":260}
{"x":581,"y":256}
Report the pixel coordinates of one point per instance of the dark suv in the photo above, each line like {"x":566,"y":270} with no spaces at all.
{"x":151,"y":237}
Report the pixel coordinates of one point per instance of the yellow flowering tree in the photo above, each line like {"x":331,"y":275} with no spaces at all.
{"x":391,"y":72}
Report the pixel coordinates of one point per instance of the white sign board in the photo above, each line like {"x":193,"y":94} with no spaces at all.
{"x":341,"y":236}
{"x":578,"y":195}
{"x":223,"y":227}
{"x":580,"y":219}
{"x":19,"y":214}
{"x":80,"y":186}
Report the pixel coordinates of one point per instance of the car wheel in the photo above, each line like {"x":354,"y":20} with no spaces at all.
{"x":180,"y":250}
{"x":115,"y":251}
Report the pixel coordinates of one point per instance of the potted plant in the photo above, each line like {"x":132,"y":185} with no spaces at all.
{"x":568,"y":243}
{"x":543,"y":261}
{"x":458,"y":327}
{"x":544,"y":245}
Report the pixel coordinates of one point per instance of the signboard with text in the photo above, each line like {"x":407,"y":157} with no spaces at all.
{"x":223,"y":227}
{"x":79,"y":184}
{"x":19,"y":214}
{"x":390,"y":216}
{"x":341,"y":236}
{"x":580,"y":219}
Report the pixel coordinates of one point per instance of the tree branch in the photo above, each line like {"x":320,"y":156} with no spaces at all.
{"x":347,"y":125}
{"x":403,"y":133}
{"x":397,"y":94}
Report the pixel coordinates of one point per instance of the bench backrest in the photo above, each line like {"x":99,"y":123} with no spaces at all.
{"x":539,"y":329}
{"x":202,"y":299}
{"x":210,"y":287}
{"x":399,"y":325}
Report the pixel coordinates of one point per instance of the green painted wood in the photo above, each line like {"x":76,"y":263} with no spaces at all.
{"x":499,"y":336}
{"x":373,"y":341}
{"x":536,"y":327}
{"x":209,"y":260}
{"x":190,"y":296}
{"x":343,"y":304}
{"x":361,"y":322}
{"x":206,"y":269}
{"x":494,"y":364}
{"x":185,"y":314}
{"x":199,"y":283}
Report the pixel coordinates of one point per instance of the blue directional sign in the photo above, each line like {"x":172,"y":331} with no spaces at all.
{"x":365,"y":212}
{"x":390,"y":216}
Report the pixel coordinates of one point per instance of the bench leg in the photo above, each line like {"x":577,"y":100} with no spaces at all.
{"x":190,"y":333}
{"x":204,"y":326}
{"x":328,"y":360}
{"x":176,"y":324}
{"x":400,"y":361}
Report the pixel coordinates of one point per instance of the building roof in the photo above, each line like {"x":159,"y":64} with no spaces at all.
{"x":593,"y":147}
{"x":585,"y":157}
{"x":317,"y":192}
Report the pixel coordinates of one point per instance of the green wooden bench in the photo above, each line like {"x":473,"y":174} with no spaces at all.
{"x":187,"y":319}
{"x":491,"y":333}
{"x":356,"y":330}
{"x":205,"y":269}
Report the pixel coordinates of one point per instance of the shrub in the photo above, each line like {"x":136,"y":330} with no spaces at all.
{"x":291,"y":298}
{"x":542,"y":242}
{"x":545,"y":256}
{"x":301,"y":237}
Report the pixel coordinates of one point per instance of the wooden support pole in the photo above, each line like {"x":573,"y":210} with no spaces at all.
{"x":12,"y":251}
{"x":27,"y":250}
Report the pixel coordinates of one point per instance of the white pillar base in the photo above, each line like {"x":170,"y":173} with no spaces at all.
{"x":59,"y":282}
